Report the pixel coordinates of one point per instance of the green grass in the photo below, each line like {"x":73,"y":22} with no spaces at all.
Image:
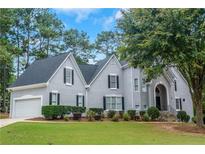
{"x":93,"y":133}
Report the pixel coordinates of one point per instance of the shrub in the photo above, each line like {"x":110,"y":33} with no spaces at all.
{"x":90,"y":115}
{"x":153,"y":112}
{"x":77,"y":109}
{"x":53,"y":111}
{"x":110,"y":114}
{"x":77,"y":115}
{"x":121,"y":114}
{"x":145,"y":117}
{"x":98,"y":117}
{"x":204,"y":119}
{"x":132,"y":114}
{"x":182,"y":116}
{"x":116,"y":117}
{"x":203,"y":107}
{"x":193,"y":119}
{"x":126,"y":117}
{"x":142,"y":113}
{"x":66,"y":117}
{"x":97,"y":110}
{"x":187,"y":118}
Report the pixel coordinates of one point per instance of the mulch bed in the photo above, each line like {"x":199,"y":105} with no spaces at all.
{"x":4,"y":115}
{"x":183,"y":127}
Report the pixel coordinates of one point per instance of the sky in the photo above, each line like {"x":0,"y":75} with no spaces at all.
{"x":92,"y":21}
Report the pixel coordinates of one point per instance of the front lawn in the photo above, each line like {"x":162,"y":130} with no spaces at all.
{"x":94,"y":133}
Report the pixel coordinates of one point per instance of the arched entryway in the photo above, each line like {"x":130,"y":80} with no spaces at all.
{"x":161,"y":97}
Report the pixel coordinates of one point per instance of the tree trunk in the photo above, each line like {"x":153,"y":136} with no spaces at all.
{"x":199,"y":114}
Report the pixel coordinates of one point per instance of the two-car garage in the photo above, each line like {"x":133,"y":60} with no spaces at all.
{"x":27,"y":107}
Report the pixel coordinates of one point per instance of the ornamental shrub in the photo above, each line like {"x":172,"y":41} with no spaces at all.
{"x":90,"y":115}
{"x":187,"y":118}
{"x":142,"y":113}
{"x":145,"y":117}
{"x":153,"y":112}
{"x":182,"y":116}
{"x":193,"y":119}
{"x":98,"y":111}
{"x":132,"y":114}
{"x":116,"y":117}
{"x":126,"y":117}
{"x":110,"y":113}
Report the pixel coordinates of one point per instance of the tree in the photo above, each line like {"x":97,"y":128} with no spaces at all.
{"x":78,"y":43}
{"x":155,"y":39}
{"x":107,"y":42}
{"x":49,"y":36}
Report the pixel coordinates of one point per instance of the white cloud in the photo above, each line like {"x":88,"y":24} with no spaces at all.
{"x":118,"y":14}
{"x":108,"y":23}
{"x":80,"y":14}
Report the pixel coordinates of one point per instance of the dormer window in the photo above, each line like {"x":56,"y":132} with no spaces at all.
{"x":113,"y":81}
{"x":68,"y":76}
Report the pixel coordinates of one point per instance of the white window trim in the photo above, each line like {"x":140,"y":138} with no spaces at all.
{"x":54,"y":92}
{"x":144,"y":86}
{"x":115,"y":82}
{"x":176,"y":102}
{"x":138,"y":84}
{"x":116,"y":96}
{"x":70,"y":68}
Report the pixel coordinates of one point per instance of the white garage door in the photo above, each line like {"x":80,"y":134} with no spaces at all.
{"x":27,"y":108}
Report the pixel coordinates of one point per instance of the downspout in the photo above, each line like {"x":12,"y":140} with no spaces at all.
{"x":132,"y":87}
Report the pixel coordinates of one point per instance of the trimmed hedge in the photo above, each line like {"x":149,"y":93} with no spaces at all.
{"x":58,"y":111}
{"x":153,"y":112}
{"x":97,"y":110}
{"x":132,"y":114}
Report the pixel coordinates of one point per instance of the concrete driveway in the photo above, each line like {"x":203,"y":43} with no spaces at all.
{"x":6,"y":122}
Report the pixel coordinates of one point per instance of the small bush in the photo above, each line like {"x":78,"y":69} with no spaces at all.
{"x":126,"y":117}
{"x":77,"y":116}
{"x":142,"y":113}
{"x":77,"y":109}
{"x":98,"y":117}
{"x":153,"y":112}
{"x":110,"y":113}
{"x":116,"y":117}
{"x":187,"y":118}
{"x":98,"y":111}
{"x":132,"y":114}
{"x":66,"y":118}
{"x":90,"y":115}
{"x":121,"y":114}
{"x":193,"y":119}
{"x":182,"y":116}
{"x":145,"y":117}
{"x":203,"y":107}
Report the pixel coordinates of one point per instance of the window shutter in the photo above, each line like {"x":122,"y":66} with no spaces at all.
{"x":83,"y":101}
{"x":64,"y":75}
{"x":50,"y":98}
{"x":76,"y":100}
{"x":72,"y":77}
{"x":180,"y":100}
{"x":104,"y":102}
{"x":108,"y":81}
{"x":58,"y":99}
{"x":117,"y":82}
{"x":123,"y":104}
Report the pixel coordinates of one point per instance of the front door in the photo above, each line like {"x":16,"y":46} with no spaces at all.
{"x":158,"y":104}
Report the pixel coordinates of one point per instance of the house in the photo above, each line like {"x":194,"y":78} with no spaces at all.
{"x":110,"y":84}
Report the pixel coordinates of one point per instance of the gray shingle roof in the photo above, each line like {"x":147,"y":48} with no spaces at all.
{"x":41,"y":70}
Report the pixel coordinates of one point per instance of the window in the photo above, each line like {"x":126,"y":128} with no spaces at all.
{"x":144,"y":86}
{"x":80,"y":100}
{"x":136,"y":84}
{"x":113,"y":103}
{"x":68,"y":76}
{"x":175,"y":85}
{"x":178,"y":104}
{"x":113,"y":81}
{"x":54,"y":98}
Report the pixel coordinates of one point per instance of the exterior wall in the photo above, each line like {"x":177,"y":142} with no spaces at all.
{"x":99,"y":87}
{"x":67,"y":92}
{"x":28,"y":93}
{"x":183,"y":92}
